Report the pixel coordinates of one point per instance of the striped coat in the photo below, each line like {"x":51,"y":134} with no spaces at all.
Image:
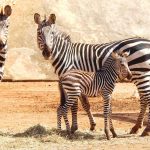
{"x":88,"y":57}
{"x":74,"y":83}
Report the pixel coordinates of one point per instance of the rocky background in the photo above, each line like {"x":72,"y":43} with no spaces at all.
{"x":87,"y":21}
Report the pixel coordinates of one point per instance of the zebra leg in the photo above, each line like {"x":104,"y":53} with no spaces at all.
{"x":106,"y":115}
{"x":64,"y":113}
{"x":59,"y":116}
{"x":62,"y":109}
{"x":106,"y":100}
{"x":86,"y":105}
{"x":110,"y":122}
{"x":146,"y":131}
{"x":74,"y":110}
{"x":143,"y":86}
{"x":139,"y":122}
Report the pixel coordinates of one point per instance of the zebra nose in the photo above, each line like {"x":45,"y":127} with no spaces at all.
{"x":129,"y":76}
{"x":46,"y":54}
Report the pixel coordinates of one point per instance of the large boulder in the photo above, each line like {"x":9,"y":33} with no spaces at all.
{"x":87,"y":21}
{"x":27,"y":64}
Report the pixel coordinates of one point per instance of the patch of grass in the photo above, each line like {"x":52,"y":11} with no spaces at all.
{"x":35,"y":131}
{"x":80,"y":136}
{"x":57,"y":136}
{"x":4,"y":134}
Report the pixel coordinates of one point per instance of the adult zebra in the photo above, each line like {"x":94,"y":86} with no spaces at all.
{"x":89,"y":57}
{"x":4,"y":24}
{"x":60,"y":65}
{"x":76,"y":82}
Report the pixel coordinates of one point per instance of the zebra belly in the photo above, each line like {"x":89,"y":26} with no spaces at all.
{"x":92,"y":91}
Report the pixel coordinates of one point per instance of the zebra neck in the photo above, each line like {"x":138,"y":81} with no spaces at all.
{"x":61,"y":56}
{"x":108,"y":72}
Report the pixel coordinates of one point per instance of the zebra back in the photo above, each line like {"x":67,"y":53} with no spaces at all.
{"x":77,"y":81}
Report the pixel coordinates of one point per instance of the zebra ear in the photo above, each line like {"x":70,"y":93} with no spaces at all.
{"x":114,"y":55}
{"x":52,"y":19}
{"x":126,"y":54}
{"x":7,"y":10}
{"x":37,"y":18}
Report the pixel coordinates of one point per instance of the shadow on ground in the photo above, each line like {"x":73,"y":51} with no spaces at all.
{"x":124,"y":117}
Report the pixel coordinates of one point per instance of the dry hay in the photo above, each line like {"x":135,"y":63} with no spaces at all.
{"x":56,"y":136}
{"x":35,"y":131}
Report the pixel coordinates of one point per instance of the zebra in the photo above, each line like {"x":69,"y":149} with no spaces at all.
{"x":66,"y":56}
{"x":60,"y":70}
{"x":76,"y":82}
{"x":4,"y":24}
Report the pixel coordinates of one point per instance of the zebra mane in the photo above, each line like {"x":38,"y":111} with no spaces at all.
{"x":58,"y":33}
{"x":110,"y":60}
{"x":68,"y":38}
{"x":64,"y":36}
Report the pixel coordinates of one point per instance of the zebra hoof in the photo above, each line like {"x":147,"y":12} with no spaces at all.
{"x":146,"y":132}
{"x":107,"y":134}
{"x":113,"y":133}
{"x":134,"y":130}
{"x":73,"y":129}
{"x":92,"y":128}
{"x":108,"y":137}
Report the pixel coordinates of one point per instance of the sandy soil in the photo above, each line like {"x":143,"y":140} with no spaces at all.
{"x":25,"y":104}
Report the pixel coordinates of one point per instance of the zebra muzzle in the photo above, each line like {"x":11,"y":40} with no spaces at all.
{"x":46,"y":54}
{"x":129,"y":76}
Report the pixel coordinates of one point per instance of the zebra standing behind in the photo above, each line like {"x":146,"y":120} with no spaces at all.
{"x":76,"y":82}
{"x":66,"y":56}
{"x":4,"y":24}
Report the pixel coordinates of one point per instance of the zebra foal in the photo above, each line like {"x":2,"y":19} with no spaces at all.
{"x":75,"y":83}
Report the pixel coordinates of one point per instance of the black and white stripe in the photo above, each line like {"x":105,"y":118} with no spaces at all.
{"x":76,"y":83}
{"x":3,"y":54}
{"x":66,"y":56}
{"x":4,"y":24}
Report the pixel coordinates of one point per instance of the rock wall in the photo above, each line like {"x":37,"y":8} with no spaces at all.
{"x":87,"y":21}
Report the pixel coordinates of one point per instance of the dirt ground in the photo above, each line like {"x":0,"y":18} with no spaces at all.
{"x":26,"y":104}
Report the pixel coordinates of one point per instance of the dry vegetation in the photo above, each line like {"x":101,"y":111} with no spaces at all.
{"x":28,"y":119}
